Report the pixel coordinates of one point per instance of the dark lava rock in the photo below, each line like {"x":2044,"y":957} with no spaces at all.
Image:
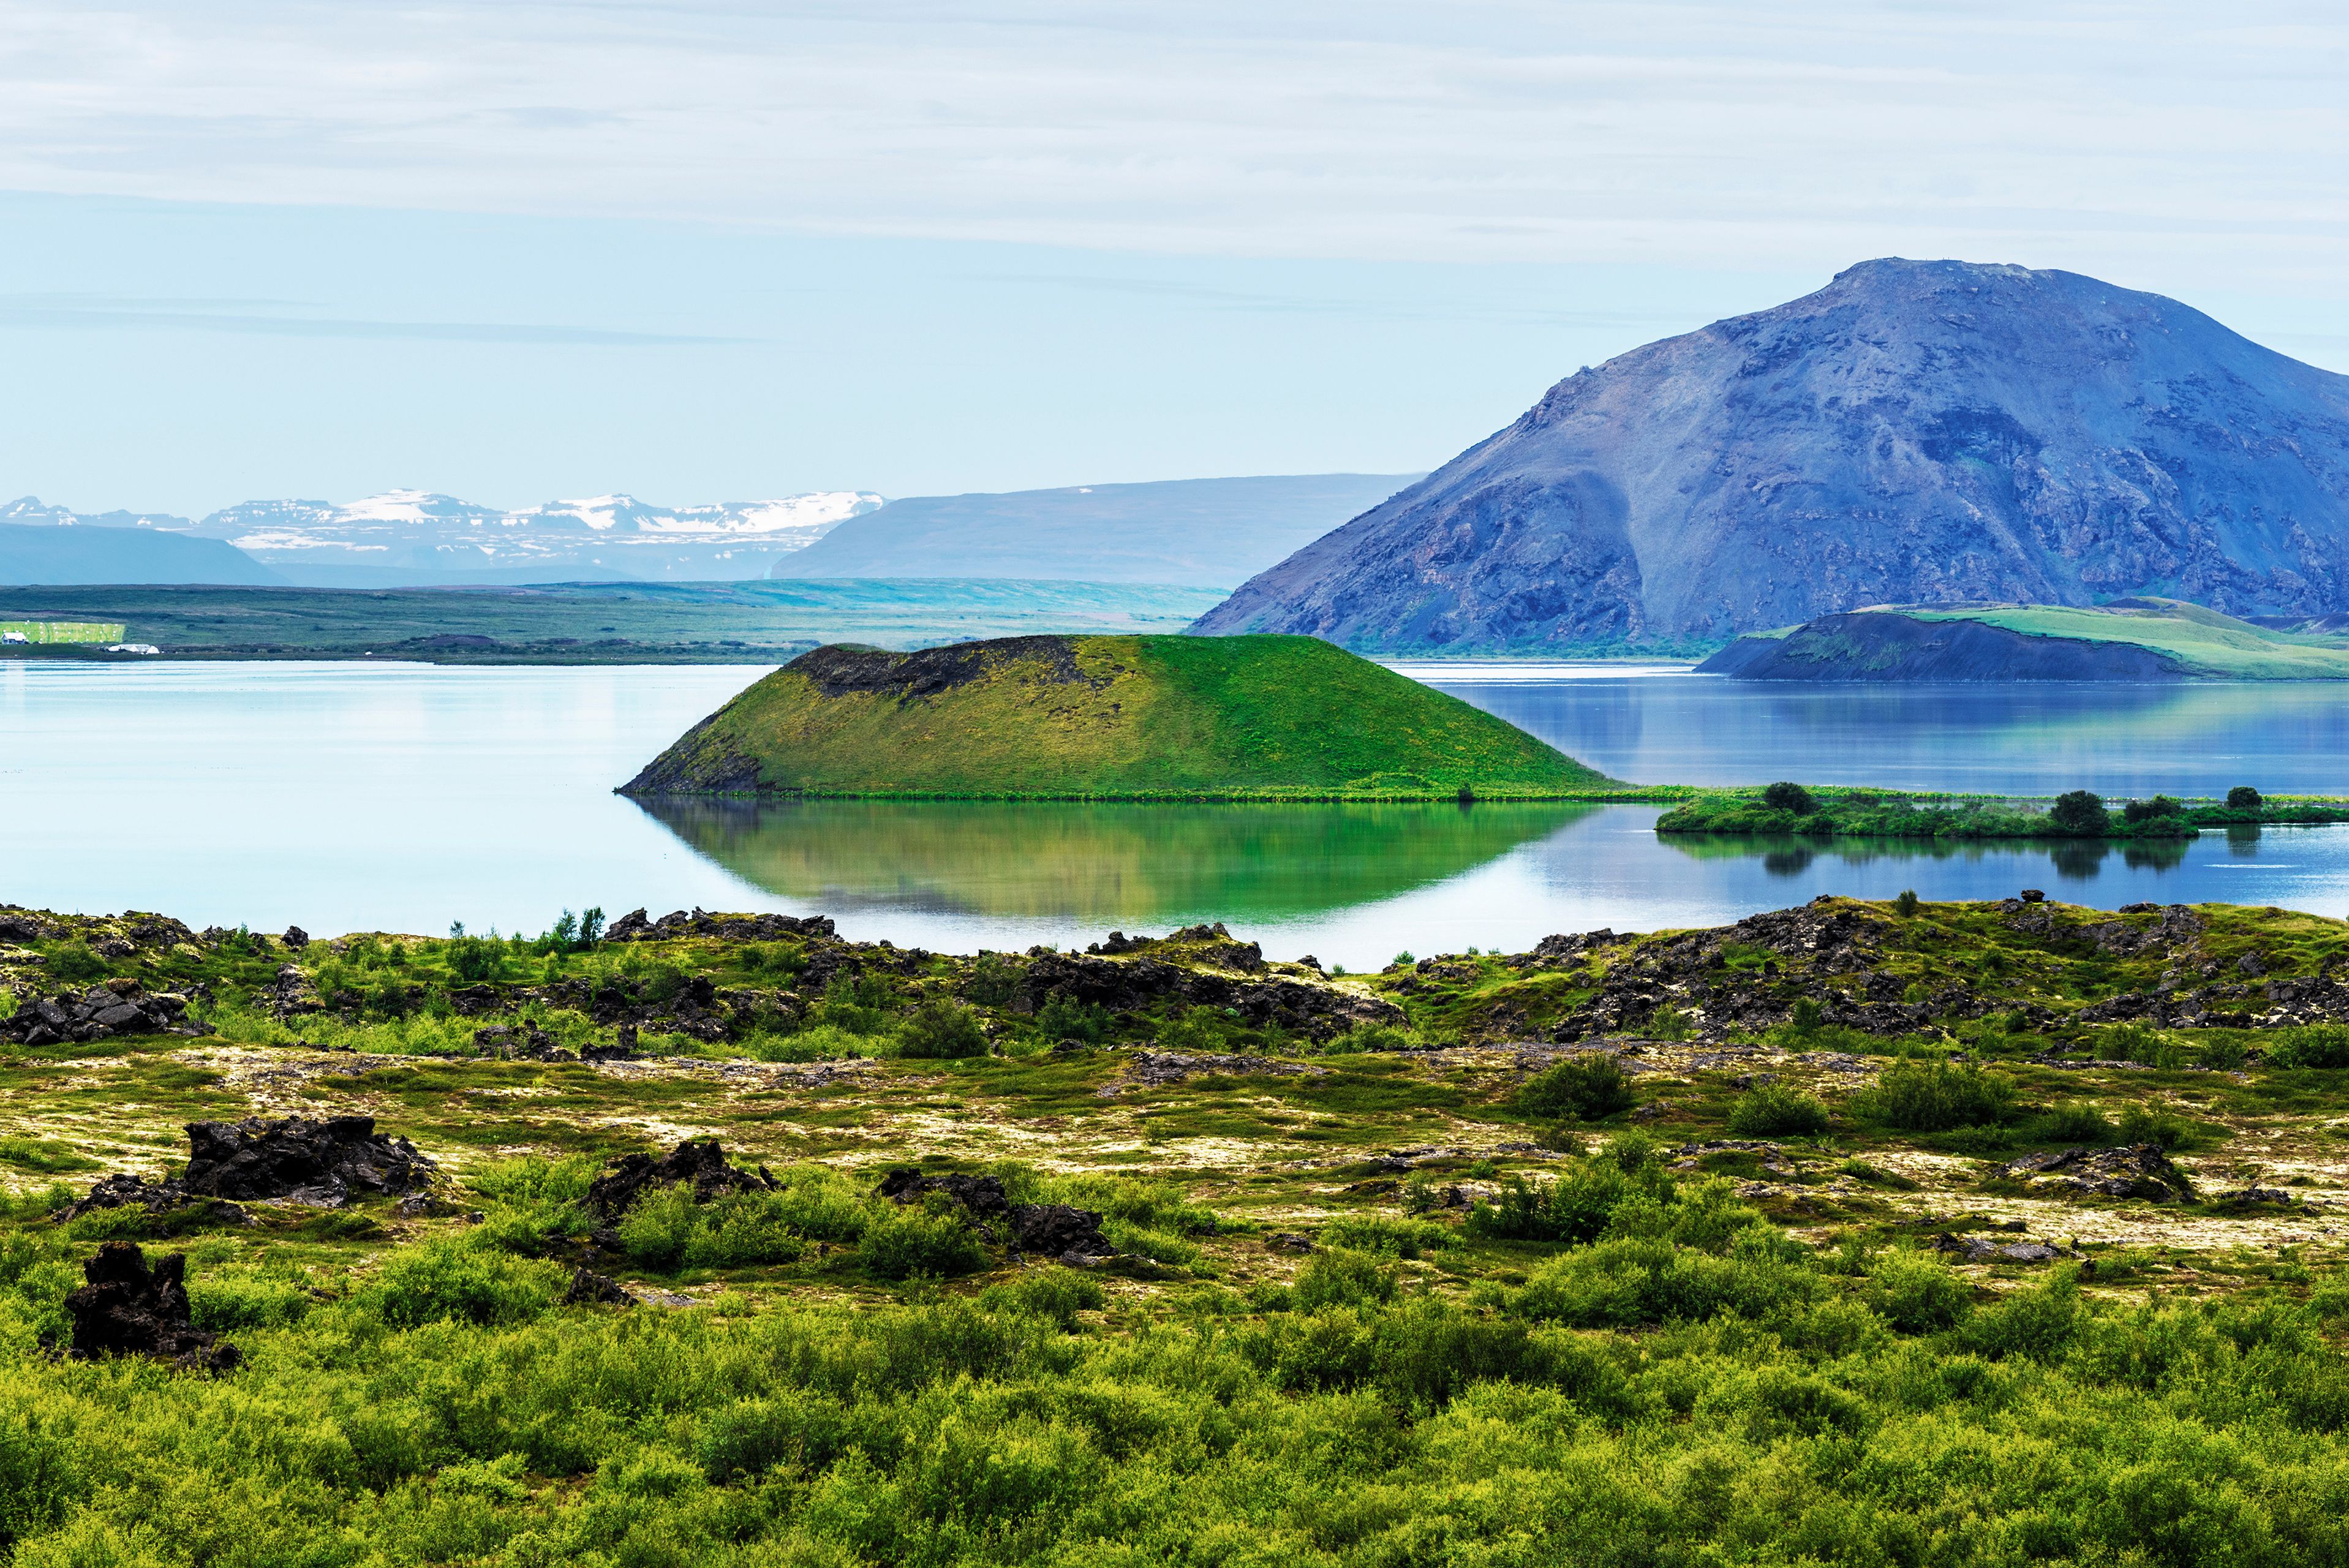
{"x":130,"y":1309}
{"x":156,"y":1197}
{"x":1058,"y":1229}
{"x":295,"y":938}
{"x":1980,"y":1250}
{"x":1054,"y":1230}
{"x":2143,"y":1172}
{"x":310,"y":1161}
{"x":634,"y":927}
{"x":1289,"y":1242}
{"x":1131,"y":985}
{"x":589,"y":1288}
{"x":118,"y":1006}
{"x":2257,"y":1195}
{"x":698,"y":1163}
{"x":981,"y":1196}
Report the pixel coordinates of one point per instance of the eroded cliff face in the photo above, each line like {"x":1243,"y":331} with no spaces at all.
{"x":1916,"y":432}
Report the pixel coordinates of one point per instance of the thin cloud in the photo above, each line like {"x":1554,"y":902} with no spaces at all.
{"x":56,"y":312}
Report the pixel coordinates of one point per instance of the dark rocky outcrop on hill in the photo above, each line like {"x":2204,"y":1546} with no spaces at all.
{"x":319,"y":1162}
{"x":699,"y":1164}
{"x":117,"y":1008}
{"x":1916,"y":432}
{"x":1881,"y":645}
{"x":128,"y":1308}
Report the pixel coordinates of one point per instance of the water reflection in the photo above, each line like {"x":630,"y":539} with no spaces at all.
{"x":2187,"y":737}
{"x":1143,"y":865}
{"x":2072,"y":859}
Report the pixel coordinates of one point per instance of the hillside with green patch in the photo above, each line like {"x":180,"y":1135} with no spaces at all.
{"x":1108,"y":718}
{"x":2129,"y":639}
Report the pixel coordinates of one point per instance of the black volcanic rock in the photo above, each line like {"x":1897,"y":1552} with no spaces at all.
{"x":1916,"y":432}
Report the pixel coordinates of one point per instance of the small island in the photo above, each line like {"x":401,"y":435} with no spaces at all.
{"x":2133,"y":639}
{"x":1108,"y":718}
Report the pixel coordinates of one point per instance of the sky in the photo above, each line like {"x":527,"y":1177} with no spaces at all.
{"x":726,"y":250}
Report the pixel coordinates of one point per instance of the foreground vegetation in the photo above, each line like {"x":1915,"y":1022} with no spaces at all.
{"x":593,"y":623}
{"x":1720,"y":1247}
{"x":1256,"y":717}
{"x":1788,"y":807}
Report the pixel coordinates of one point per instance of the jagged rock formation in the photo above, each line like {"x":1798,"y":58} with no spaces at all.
{"x":318,"y":1162}
{"x":1916,"y":432}
{"x":699,"y":1164}
{"x":128,"y":1308}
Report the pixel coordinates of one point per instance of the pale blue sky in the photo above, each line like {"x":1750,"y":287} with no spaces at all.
{"x":725,"y":250}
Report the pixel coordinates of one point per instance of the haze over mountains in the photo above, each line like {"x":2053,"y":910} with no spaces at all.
{"x":405,"y":538}
{"x":1916,"y":432}
{"x":1213,"y":533}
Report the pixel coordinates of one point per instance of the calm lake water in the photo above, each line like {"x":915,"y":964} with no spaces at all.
{"x":344,"y":797}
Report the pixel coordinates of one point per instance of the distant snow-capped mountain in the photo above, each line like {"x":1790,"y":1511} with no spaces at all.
{"x":423,"y":535}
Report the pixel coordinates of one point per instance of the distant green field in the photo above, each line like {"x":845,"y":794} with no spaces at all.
{"x":2207,"y":642}
{"x":600,"y":623}
{"x":54,"y":631}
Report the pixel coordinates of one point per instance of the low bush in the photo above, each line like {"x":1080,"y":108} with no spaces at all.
{"x":1051,"y":1291}
{"x":1784,"y":796}
{"x":1392,"y":1238}
{"x":1063,"y":1018}
{"x":2140,"y":1043}
{"x":448,"y":1279}
{"x":2080,"y":814}
{"x":1339,"y":1276}
{"x":1592,"y":1088}
{"x":2243,"y":798}
{"x":2323,"y":1046}
{"x":1777,"y":1110}
{"x":2072,"y":1121}
{"x":902,"y":1243}
{"x":2152,"y":1124}
{"x":1935,"y":1097}
{"x":939,"y":1028}
{"x":1916,"y":1294}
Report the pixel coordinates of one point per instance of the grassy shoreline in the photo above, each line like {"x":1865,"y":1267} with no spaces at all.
{"x":1841,"y":812}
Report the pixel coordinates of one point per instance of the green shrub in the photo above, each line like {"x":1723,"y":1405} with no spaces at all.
{"x":905,"y":1242}
{"x":2159,"y":808}
{"x":45,"y":1155}
{"x":445,"y":1279}
{"x":1367,"y":1037}
{"x":1934,"y":1097}
{"x":1392,"y":1238}
{"x":1062,"y":1018}
{"x":1777,"y":1110}
{"x":1051,"y":1291}
{"x":2220,"y":1053}
{"x":72,"y":959}
{"x":940,"y":1028}
{"x":1338,"y":1276}
{"x":1793,"y":797}
{"x":1573,"y":1207}
{"x":2309,"y":1046}
{"x":1915,"y":1293}
{"x":1906,"y":905}
{"x":2146,"y":1124}
{"x":2138,"y":1043}
{"x":2080,"y":815}
{"x":2243,"y":798}
{"x":1195,"y":1030}
{"x":1626,"y":1281}
{"x":225,"y":1301}
{"x":2072,"y":1121}
{"x":1591,"y":1086}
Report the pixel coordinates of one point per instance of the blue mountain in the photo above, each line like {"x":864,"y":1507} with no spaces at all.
{"x":1916,"y":432}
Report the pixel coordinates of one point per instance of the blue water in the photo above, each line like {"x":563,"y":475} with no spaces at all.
{"x":344,"y":797}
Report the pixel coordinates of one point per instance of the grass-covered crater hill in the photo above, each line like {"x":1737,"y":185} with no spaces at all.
{"x":1073,"y":718}
{"x":1907,"y":1232}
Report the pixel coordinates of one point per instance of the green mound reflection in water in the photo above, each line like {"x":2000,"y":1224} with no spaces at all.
{"x":1144,"y":865}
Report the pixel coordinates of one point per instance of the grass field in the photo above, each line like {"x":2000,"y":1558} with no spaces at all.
{"x":45,"y":633}
{"x":2206,"y":642}
{"x":1119,"y":717}
{"x":1728,"y":1289}
{"x":736,"y":622}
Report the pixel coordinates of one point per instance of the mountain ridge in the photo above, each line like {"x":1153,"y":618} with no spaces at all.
{"x":1914,"y":432}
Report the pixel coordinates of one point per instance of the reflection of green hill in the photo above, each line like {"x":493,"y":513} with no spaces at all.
{"x":1138,"y":864}
{"x":1785,"y":852}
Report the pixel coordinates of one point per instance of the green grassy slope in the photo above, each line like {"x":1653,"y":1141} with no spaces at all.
{"x":1111,"y":717}
{"x":598,"y":623}
{"x":2206,"y":642}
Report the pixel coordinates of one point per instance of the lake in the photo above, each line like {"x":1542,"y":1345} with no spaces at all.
{"x":402,"y":796}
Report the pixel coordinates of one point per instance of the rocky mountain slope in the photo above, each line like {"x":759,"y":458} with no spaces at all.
{"x":1916,"y":432}
{"x":1216,"y":532}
